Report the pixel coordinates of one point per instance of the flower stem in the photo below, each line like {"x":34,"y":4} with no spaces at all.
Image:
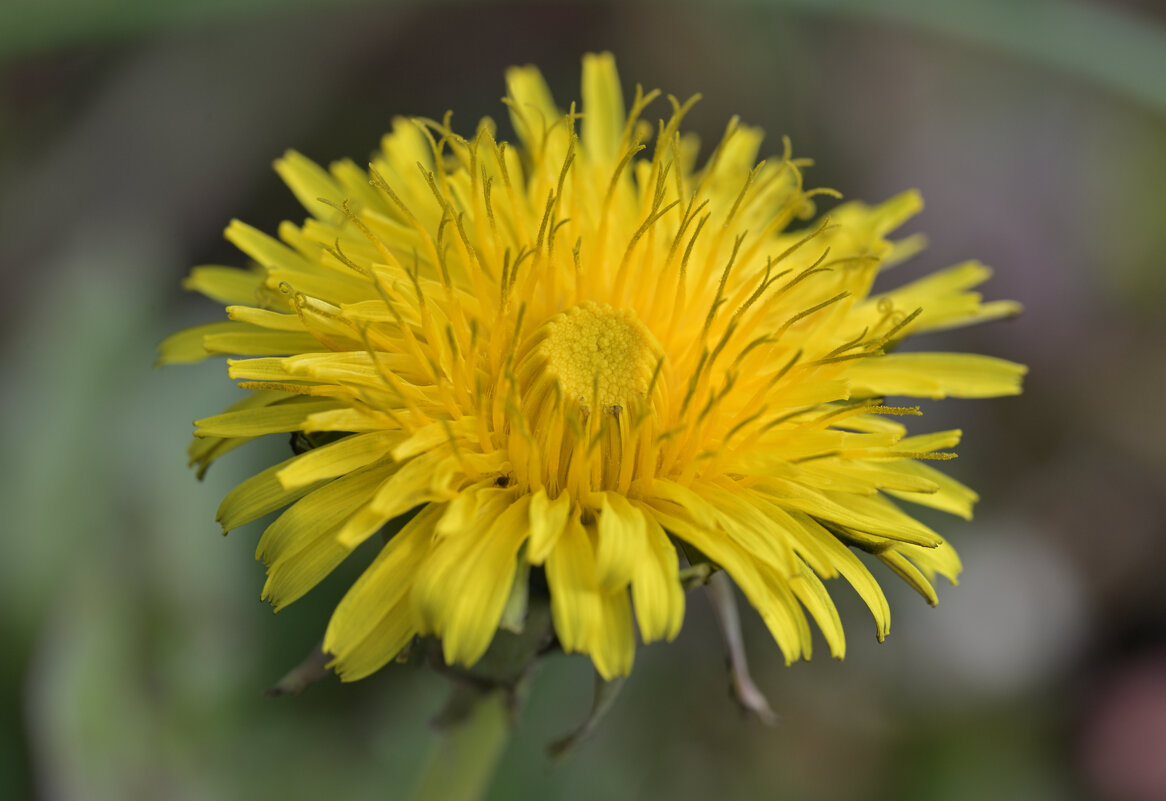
{"x":462,"y":763}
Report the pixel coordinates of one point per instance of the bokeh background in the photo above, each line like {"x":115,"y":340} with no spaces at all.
{"x":135,"y":648}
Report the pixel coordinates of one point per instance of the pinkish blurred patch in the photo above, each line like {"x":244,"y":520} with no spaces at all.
{"x":1123,"y":742}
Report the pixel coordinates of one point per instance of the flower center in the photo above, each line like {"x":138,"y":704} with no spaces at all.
{"x":600,"y":355}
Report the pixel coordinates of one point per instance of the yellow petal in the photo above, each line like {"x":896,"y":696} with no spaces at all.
{"x":941,"y":560}
{"x":944,"y":300}
{"x":373,"y":622}
{"x":783,"y":616}
{"x":464,"y":585}
{"x":910,"y":574}
{"x":461,"y":512}
{"x":354,"y":368}
{"x":532,"y":109}
{"x":347,"y":419}
{"x":265,"y":318}
{"x":517,"y":602}
{"x":337,"y":458}
{"x":258,"y":495}
{"x":864,"y":476}
{"x":656,"y":590}
{"x":698,"y":508}
{"x":266,"y":251}
{"x":571,"y":579}
{"x":871,"y":515}
{"x":486,"y":586}
{"x":949,"y":496}
{"x":603,"y":107}
{"x":279,"y":418}
{"x":308,"y":561}
{"x":896,"y":210}
{"x":588,"y":619}
{"x":320,"y":511}
{"x":424,"y":478}
{"x":809,"y":590}
{"x":613,"y":641}
{"x":250,"y":341}
{"x":772,"y":599}
{"x":928,"y":443}
{"x":309,"y":182}
{"x":751,"y":529}
{"x":790,"y":522}
{"x":360,"y":526}
{"x":205,"y":450}
{"x":404,"y":490}
{"x":621,"y":541}
{"x":402,"y":149}
{"x":936,"y":375}
{"x":392,"y":631}
{"x":548,"y":519}
{"x":428,"y":437}
{"x":338,"y":287}
{"x":224,"y":284}
{"x":405,"y":487}
{"x":186,"y":346}
{"x":354,"y":184}
{"x":811,"y":535}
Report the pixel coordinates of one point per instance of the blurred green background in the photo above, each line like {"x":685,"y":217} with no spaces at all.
{"x":135,"y":648}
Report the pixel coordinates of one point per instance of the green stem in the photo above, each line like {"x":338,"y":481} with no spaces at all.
{"x":462,"y":762}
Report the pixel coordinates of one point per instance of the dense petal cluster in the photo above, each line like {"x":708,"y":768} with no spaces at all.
{"x":585,"y":354}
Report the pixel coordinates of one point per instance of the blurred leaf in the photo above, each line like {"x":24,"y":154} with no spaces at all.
{"x":1096,"y":41}
{"x":461,"y":765}
{"x":605,"y":694}
{"x":29,"y":26}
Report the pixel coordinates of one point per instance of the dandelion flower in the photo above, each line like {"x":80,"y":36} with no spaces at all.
{"x":591,"y":355}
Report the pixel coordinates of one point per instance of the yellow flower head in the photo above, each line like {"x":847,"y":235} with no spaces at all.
{"x":590,"y":354}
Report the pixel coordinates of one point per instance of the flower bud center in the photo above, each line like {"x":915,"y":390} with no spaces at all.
{"x":600,"y":355}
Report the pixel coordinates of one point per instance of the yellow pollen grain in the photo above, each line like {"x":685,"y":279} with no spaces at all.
{"x":593,"y":347}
